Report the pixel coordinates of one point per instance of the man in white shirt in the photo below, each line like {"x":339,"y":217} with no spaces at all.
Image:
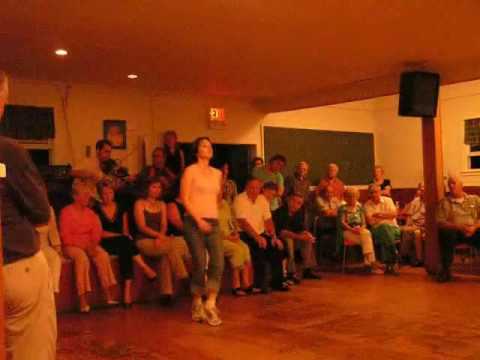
{"x":381,"y":215}
{"x":258,"y":232}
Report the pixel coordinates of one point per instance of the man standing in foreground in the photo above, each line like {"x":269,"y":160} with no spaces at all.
{"x":30,"y":318}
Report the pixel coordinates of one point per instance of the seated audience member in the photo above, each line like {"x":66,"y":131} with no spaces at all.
{"x":151,"y":222}
{"x":116,"y":239}
{"x":175,"y":158}
{"x":81,"y":231}
{"x":229,"y":186}
{"x":351,"y":218}
{"x":327,"y":205}
{"x":273,"y":173}
{"x":156,"y":170}
{"x":91,"y":170}
{"x":381,"y":215}
{"x":413,"y":232}
{"x":52,"y":249}
{"x":257,"y":162}
{"x":299,"y":182}
{"x":379,"y":179}
{"x":458,"y":217}
{"x":258,"y":232}
{"x":270,"y":191}
{"x":236,"y":251}
{"x":290,"y":225}
{"x":333,"y":181}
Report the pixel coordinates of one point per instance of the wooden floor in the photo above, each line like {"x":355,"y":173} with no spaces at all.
{"x":339,"y":317}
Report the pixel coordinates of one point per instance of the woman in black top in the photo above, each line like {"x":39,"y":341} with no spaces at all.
{"x":175,"y":159}
{"x":379,"y":179}
{"x":116,"y":239}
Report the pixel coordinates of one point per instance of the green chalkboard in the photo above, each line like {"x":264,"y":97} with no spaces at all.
{"x":353,"y":152}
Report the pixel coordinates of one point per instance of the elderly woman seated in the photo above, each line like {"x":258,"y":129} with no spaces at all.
{"x":81,"y":232}
{"x":381,"y":215}
{"x":353,"y":229}
{"x":413,"y":233}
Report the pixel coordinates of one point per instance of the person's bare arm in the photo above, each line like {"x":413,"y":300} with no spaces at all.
{"x":173,"y":216}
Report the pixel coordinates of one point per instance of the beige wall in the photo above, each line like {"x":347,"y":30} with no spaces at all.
{"x":397,"y":140}
{"x":89,"y":105}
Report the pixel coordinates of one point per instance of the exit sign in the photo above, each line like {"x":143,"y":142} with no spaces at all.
{"x":217,"y":114}
{"x":217,"y":118}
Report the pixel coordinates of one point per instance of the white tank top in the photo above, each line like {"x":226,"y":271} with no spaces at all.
{"x":205,"y":191}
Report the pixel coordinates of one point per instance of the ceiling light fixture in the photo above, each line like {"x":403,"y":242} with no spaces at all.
{"x":61,"y":52}
{"x":132,"y":76}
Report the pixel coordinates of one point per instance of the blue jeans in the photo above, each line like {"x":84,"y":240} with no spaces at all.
{"x":199,"y":244}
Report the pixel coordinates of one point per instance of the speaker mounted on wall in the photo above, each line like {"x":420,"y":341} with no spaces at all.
{"x":419,"y":94}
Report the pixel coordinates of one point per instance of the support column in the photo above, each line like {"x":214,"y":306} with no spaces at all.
{"x":434,"y":187}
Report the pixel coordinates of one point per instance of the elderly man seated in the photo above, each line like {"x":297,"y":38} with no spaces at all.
{"x":413,"y":233}
{"x":290,"y":224}
{"x":381,"y":215}
{"x":326,"y":205}
{"x":258,"y":232}
{"x":458,"y":217}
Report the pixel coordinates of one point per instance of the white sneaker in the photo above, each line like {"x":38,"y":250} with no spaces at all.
{"x":198,"y":313}
{"x":213,"y":318}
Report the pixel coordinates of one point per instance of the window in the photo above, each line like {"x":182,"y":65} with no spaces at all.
{"x":474,"y":157}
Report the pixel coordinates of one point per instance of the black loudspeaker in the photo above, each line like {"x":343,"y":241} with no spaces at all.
{"x":418,"y":94}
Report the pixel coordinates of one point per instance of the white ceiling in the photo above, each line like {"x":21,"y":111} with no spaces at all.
{"x":279,"y":54}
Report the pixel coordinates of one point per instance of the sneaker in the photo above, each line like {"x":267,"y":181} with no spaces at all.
{"x":292,"y":279}
{"x":252,"y":290}
{"x":198,"y":313}
{"x":112,"y":303}
{"x":283,"y":287}
{"x":390,"y":270}
{"x":310,"y":274}
{"x":212,"y":316}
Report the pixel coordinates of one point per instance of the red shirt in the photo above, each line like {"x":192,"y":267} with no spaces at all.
{"x":336,"y":184}
{"x":79,"y":228}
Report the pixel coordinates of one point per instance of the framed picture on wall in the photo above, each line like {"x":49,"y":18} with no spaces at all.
{"x":115,"y":131}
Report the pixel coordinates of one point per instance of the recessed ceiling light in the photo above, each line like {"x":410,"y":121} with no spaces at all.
{"x":132,"y":76}
{"x":61,"y":52}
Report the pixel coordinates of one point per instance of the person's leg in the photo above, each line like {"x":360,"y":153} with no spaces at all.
{"x":246,"y":272}
{"x":82,"y":274}
{"x":385,"y":236}
{"x":147,"y":248}
{"x":275,"y":257}
{"x":234,"y":253}
{"x":258,"y":261}
{"x":214,"y":245}
{"x":30,"y":317}
{"x":406,"y":241}
{"x":356,"y":239}
{"x":418,"y":247}
{"x":196,"y":245}
{"x":101,"y":259}
{"x":290,"y":250}
{"x":123,"y":247}
{"x":447,"y":239}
